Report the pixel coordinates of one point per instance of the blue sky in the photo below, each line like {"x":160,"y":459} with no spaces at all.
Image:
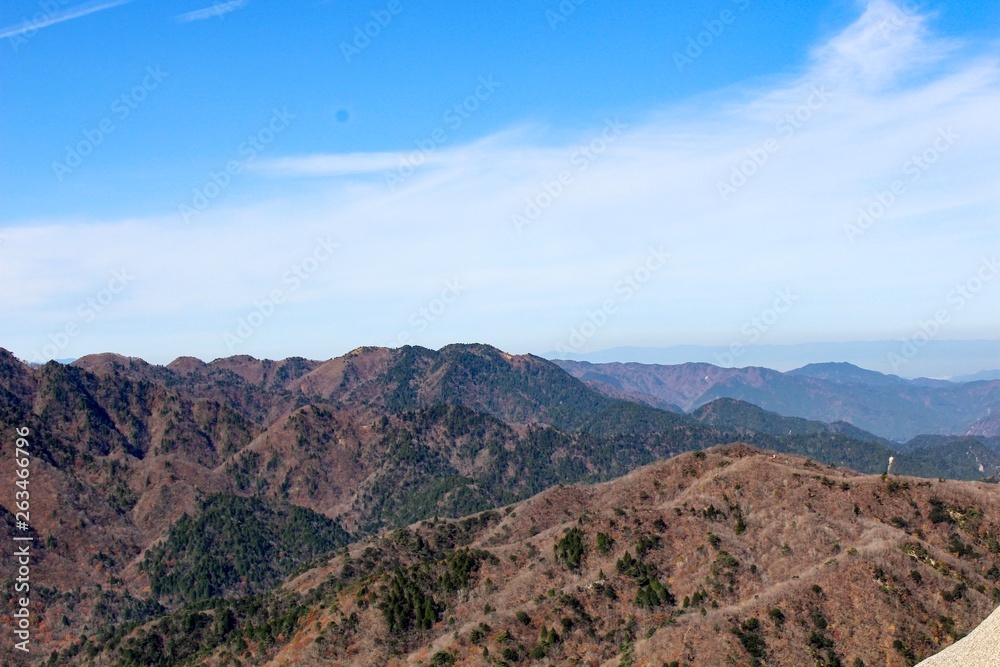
{"x":248,"y":177}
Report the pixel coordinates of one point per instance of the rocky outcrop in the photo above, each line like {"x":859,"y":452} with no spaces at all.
{"x":980,"y":648}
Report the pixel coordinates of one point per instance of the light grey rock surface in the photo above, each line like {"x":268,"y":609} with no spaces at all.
{"x":980,"y":648}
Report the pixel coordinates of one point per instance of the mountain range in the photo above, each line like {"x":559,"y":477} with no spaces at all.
{"x":730,"y":556}
{"x":162,"y":492}
{"x":959,"y":360}
{"x":887,"y":405}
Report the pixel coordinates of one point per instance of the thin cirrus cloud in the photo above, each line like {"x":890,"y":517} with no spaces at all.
{"x":52,"y":18}
{"x":394,"y":166}
{"x":334,"y":165}
{"x":215,"y":11}
{"x":883,"y":101}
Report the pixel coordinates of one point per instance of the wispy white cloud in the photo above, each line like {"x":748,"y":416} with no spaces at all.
{"x":418,"y":159}
{"x":47,"y":18}
{"x":334,"y":165}
{"x":867,"y":110}
{"x":218,"y":10}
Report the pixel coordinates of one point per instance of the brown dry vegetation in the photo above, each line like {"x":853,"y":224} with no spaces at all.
{"x":124,"y":449}
{"x":833,"y":551}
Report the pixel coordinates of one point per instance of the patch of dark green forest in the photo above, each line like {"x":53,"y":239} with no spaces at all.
{"x":238,"y":545}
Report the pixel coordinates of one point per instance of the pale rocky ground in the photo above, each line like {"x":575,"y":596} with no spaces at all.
{"x":980,"y":648}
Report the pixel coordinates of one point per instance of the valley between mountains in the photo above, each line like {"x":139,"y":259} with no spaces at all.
{"x":468,"y":506}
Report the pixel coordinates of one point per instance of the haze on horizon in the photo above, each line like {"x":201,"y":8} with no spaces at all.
{"x":246,"y":179}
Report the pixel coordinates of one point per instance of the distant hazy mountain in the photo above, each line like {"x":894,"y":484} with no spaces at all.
{"x":981,"y":376}
{"x":988,"y":426}
{"x":744,"y":419}
{"x":887,"y":405}
{"x":845,"y":373}
{"x":844,"y":444}
{"x":938,"y":358}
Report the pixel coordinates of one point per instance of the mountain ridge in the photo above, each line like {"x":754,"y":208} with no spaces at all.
{"x":886,"y":405}
{"x":714,"y":557}
{"x":128,"y":452}
{"x":937,"y":358}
